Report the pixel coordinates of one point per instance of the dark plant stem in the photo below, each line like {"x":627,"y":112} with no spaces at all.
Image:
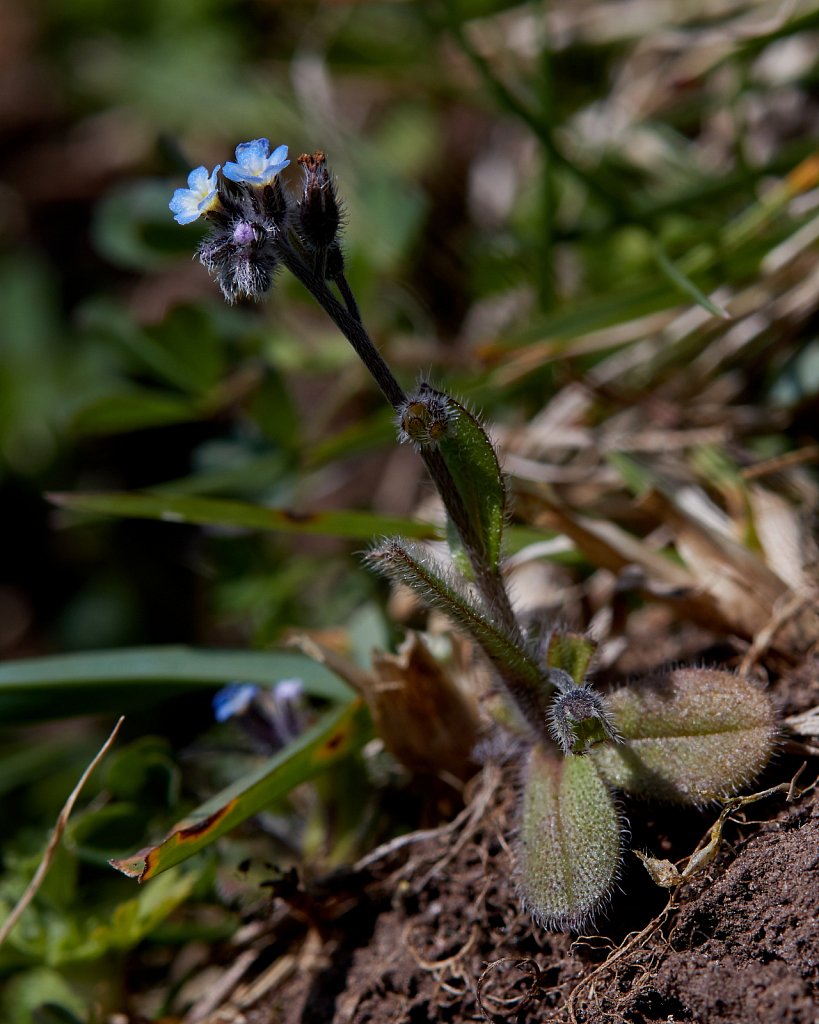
{"x":320,"y":268}
{"x":349,"y":299}
{"x":352,"y":328}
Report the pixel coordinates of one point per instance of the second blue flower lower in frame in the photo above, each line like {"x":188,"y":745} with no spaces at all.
{"x":255,"y":164}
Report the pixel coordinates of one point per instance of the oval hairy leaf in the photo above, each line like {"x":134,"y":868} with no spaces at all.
{"x":690,"y":736}
{"x":569,"y":839}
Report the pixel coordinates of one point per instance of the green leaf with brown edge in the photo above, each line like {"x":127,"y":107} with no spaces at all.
{"x":333,"y":737}
{"x":689,"y":736}
{"x":570,"y":839}
{"x":350,"y":524}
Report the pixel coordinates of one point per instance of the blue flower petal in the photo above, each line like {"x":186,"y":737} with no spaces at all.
{"x":184,"y":206}
{"x":249,"y":154}
{"x":233,"y":700}
{"x":254,"y":164}
{"x":201,"y":195}
{"x":279,"y":156}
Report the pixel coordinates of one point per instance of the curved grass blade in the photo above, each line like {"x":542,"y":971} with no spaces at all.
{"x":98,"y":681}
{"x":333,"y":737}
{"x":349,"y":524}
{"x":686,"y":285}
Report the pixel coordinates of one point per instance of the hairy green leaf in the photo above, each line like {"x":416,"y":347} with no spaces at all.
{"x":569,"y":839}
{"x":411,"y":565}
{"x":472,"y":461}
{"x":464,"y":465}
{"x":690,"y":736}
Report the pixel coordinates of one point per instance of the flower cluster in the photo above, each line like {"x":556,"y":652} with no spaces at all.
{"x":271,"y":716}
{"x":256,"y":222}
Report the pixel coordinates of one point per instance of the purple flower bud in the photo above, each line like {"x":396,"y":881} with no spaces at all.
{"x":241,"y":257}
{"x":243,"y":233}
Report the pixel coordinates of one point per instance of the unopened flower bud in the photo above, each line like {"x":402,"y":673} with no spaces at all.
{"x":319,"y":216}
{"x":578,"y":718}
{"x":423,"y":418}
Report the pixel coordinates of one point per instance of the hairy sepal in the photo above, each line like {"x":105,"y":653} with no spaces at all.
{"x":690,"y":735}
{"x":570,"y":840}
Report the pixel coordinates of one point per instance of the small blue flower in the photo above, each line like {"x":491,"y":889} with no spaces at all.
{"x":188,"y":204}
{"x":255,"y":164}
{"x":233,"y":700}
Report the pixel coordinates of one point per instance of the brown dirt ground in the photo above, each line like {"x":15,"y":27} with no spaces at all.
{"x":433,"y":930}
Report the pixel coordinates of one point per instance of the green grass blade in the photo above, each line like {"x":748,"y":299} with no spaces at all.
{"x":333,"y":737}
{"x":349,"y":524}
{"x":135,"y":410}
{"x":72,"y":684}
{"x":686,"y":285}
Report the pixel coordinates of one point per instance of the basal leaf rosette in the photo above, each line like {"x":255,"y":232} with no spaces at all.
{"x":570,"y":839}
{"x":690,"y":735}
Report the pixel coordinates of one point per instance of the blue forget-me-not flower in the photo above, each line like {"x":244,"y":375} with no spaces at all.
{"x":257,"y":224}
{"x":255,"y":164}
{"x":272,"y":716}
{"x":201,"y":195}
{"x":233,"y":700}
